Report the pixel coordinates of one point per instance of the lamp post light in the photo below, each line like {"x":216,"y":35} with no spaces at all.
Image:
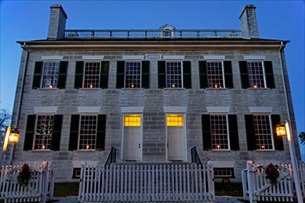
{"x":11,"y":136}
{"x":283,"y":129}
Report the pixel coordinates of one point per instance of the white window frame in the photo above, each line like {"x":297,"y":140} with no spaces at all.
{"x":35,"y":133}
{"x":181,"y":75}
{"x":125,"y":70}
{"x":271,"y":133}
{"x":54,"y":76}
{"x":228,"y":132}
{"x":223,"y":74}
{"x":79,"y":133}
{"x":263,"y":71}
{"x":84,"y":75}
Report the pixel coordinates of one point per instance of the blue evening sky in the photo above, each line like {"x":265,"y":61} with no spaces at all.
{"x":29,"y":20}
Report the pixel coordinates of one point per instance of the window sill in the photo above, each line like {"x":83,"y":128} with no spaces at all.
{"x":86,"y":150}
{"x":221,"y":150}
{"x":220,"y":88}
{"x":261,"y":88}
{"x":169,"y":88}
{"x":42,"y":150}
{"x":47,"y":89}
{"x":139,"y":88}
{"x":265,"y":150}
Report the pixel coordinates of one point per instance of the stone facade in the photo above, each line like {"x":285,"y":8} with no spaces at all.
{"x":155,"y":102}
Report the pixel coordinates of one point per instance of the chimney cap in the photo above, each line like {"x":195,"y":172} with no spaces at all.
{"x":59,"y":6}
{"x":248,"y":6}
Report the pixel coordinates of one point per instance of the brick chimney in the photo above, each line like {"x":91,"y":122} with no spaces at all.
{"x":57,"y":23}
{"x":248,"y":22}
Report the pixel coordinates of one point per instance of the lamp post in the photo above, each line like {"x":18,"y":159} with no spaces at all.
{"x":11,"y":136}
{"x":283,"y":129}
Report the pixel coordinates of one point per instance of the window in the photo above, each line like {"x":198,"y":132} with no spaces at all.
{"x":132,"y":120}
{"x":224,"y":172}
{"x":215,"y":74}
{"x":87,"y":132}
{"x":167,"y":33}
{"x":50,"y":74}
{"x":132,"y":74}
{"x":261,"y":133}
{"x":43,"y":132}
{"x":220,"y":132}
{"x":256,"y":74}
{"x":174,"y":120}
{"x":91,"y":74}
{"x":174,"y":74}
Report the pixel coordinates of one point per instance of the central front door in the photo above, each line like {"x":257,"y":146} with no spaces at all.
{"x":132,"y":138}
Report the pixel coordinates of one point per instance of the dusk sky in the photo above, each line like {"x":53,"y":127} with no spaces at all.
{"x":29,"y":20}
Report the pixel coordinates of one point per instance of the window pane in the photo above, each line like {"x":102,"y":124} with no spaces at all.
{"x":174,"y":120}
{"x":132,"y":120}
{"x":87,"y":133}
{"x":50,"y":74}
{"x":215,"y":74}
{"x":133,"y":75}
{"x":173,"y":75}
{"x":256,"y":75}
{"x":92,"y":75}
{"x":262,"y":132}
{"x":43,"y":132}
{"x":219,"y":132}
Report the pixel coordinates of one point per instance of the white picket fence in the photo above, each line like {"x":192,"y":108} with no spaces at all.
{"x":39,"y":189}
{"x":146,"y":182}
{"x":257,"y":188}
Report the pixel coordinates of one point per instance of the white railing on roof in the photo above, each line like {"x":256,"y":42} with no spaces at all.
{"x":151,"y":34}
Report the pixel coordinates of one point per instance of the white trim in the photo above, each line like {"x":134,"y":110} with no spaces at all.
{"x":174,"y":109}
{"x":93,"y":57}
{"x":223,"y":164}
{"x":88,"y":109}
{"x":260,"y":109}
{"x":213,"y":57}
{"x":173,"y":57}
{"x":218,"y":109}
{"x":45,"y":109}
{"x":254,"y":57}
{"x":153,"y":56}
{"x":133,"y":57}
{"x":132,"y":109}
{"x":52,"y":57}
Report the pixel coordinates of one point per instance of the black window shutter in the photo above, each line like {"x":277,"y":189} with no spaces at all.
{"x":62,"y":74}
{"x":251,"y":139}
{"x":203,"y":74}
{"x":187,"y":78}
{"x":56,"y":132}
{"x":37,"y":74}
{"x":29,"y":133}
{"x":278,"y":141}
{"x":104,"y":74}
{"x":120,"y":74}
{"x":206,"y":132}
{"x":233,"y":129}
{"x":145,"y":74}
{"x":269,"y":74}
{"x":161,"y":74}
{"x":74,"y":132}
{"x":244,"y":74}
{"x":228,"y":74}
{"x":78,"y":83}
{"x":101,"y":133}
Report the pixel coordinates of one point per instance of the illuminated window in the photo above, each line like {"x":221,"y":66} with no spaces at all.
{"x":50,"y":74}
{"x":215,"y":75}
{"x":174,"y":120}
{"x":92,"y":75}
{"x":256,"y":74}
{"x":174,"y":74}
{"x":132,"y":74}
{"x":262,"y":132}
{"x":44,"y":132}
{"x":132,"y":120}
{"x":87,"y":132}
{"x":219,"y":132}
